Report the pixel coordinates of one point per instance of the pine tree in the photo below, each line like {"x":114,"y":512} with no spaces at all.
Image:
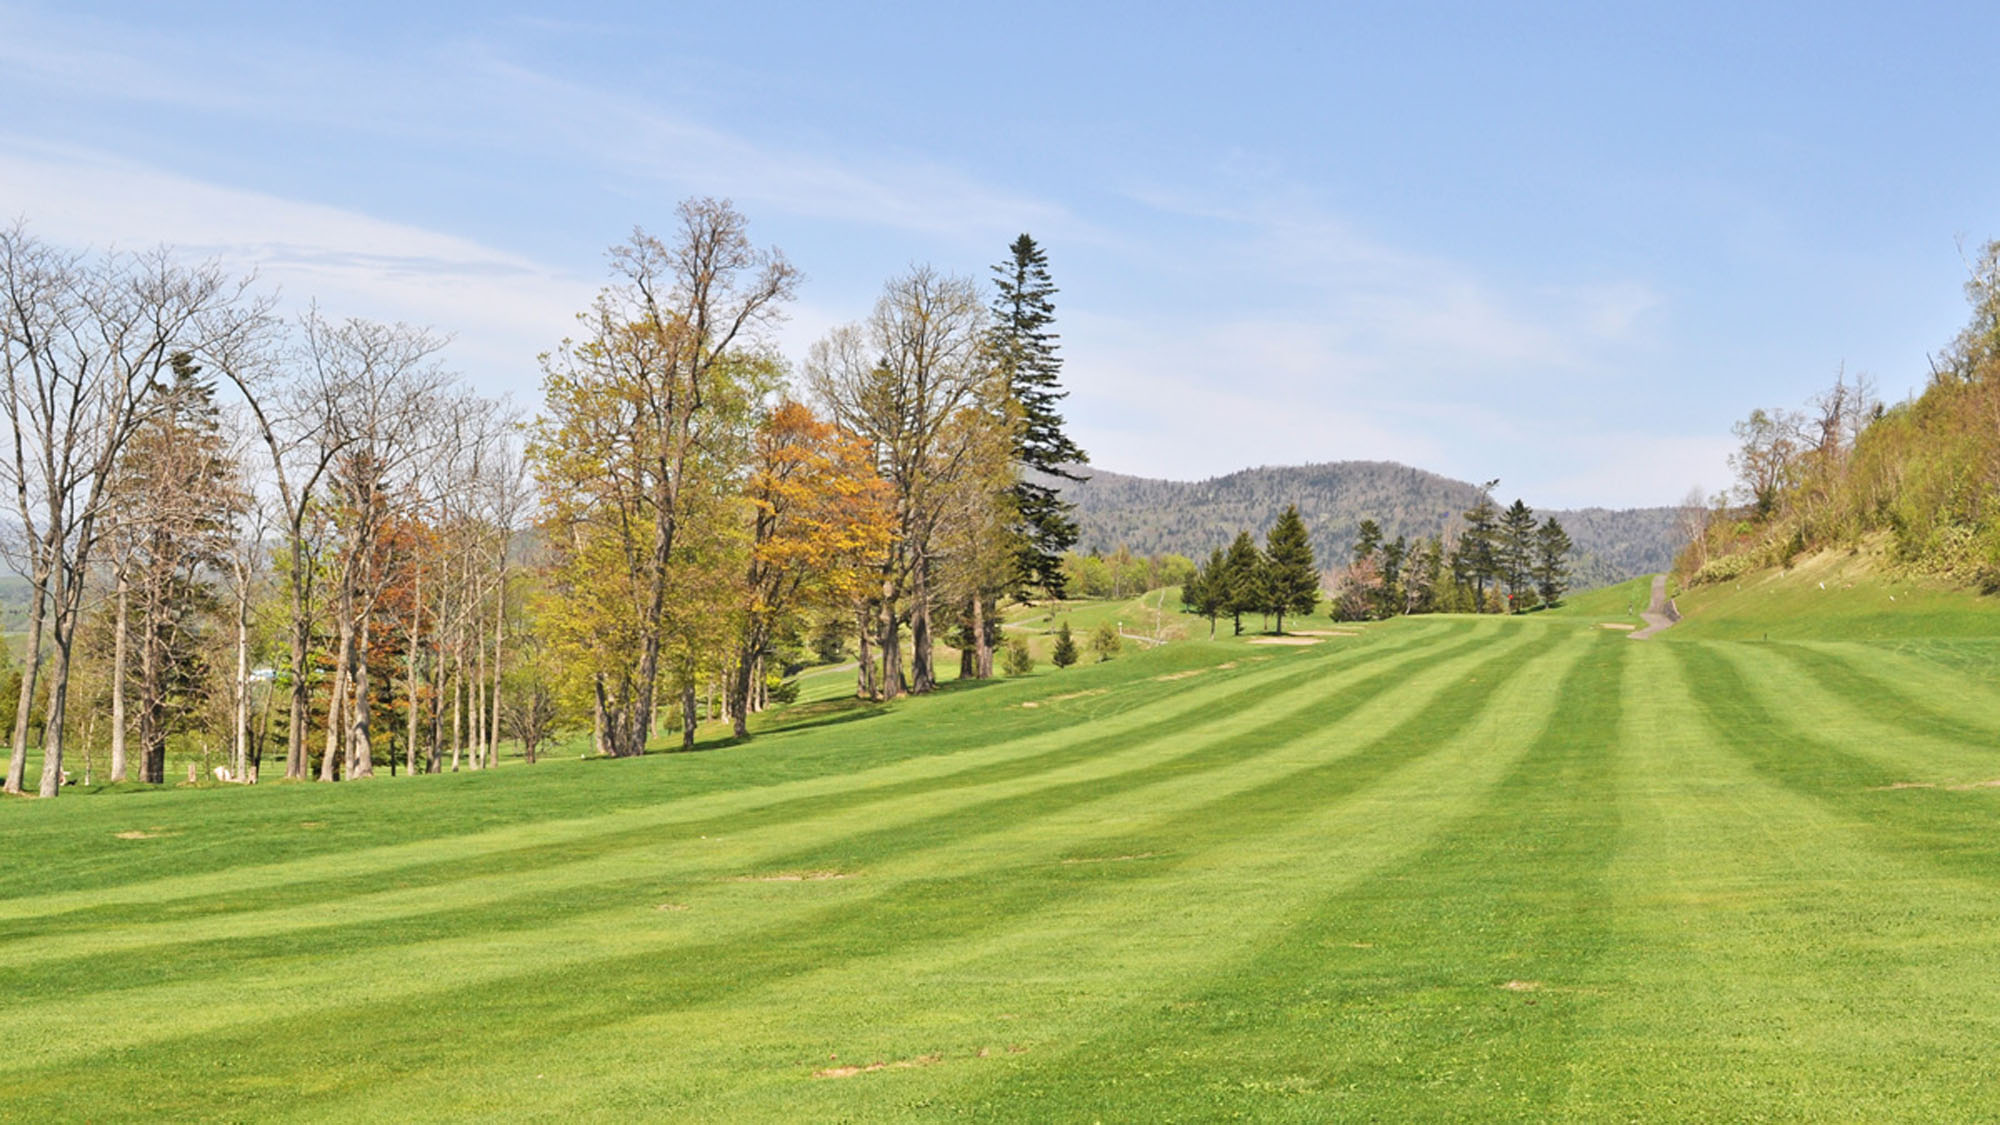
{"x":1025,"y":348}
{"x":1291,"y":580}
{"x":1065,"y":650}
{"x":1243,"y":582}
{"x":1514,"y":549}
{"x":1476,"y":559}
{"x":1207,"y":593}
{"x":1367,"y":539}
{"x":1552,"y":548}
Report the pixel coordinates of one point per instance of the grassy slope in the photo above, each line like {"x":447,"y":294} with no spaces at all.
{"x":1447,"y":869}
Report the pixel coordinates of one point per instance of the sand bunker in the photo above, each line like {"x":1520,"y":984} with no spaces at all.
{"x":1033,"y":703}
{"x":1619,"y":625}
{"x":791,"y":877}
{"x":1110,"y":858}
{"x":1522,"y":985}
{"x":900,"y":1064}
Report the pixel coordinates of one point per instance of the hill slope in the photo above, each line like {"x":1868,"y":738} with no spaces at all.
{"x":1192,"y":517}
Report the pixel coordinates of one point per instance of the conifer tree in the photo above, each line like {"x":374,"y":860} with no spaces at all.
{"x":1025,"y":348}
{"x":1291,"y":580}
{"x":1514,"y":549}
{"x":1476,"y":556}
{"x":1552,"y":548}
{"x":1243,"y":580}
{"x":1065,"y":650}
{"x":1207,"y":593}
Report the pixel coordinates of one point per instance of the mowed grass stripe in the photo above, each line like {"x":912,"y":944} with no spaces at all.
{"x":1387,"y":1000}
{"x":1922,"y":700}
{"x":584,"y":997}
{"x":606,"y":881}
{"x":1739,"y":700}
{"x":1834,"y":701}
{"x":54,"y":1021}
{"x":1778,"y":959}
{"x":445,"y":859}
{"x":1215,"y":879}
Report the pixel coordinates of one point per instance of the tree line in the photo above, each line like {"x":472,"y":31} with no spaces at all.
{"x":1915,"y":477}
{"x":1499,"y":561}
{"x":243,"y":532}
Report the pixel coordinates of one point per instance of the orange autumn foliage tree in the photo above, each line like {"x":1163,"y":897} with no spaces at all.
{"x":819,"y":515}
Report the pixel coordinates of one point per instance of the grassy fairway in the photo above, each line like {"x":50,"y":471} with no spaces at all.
{"x":1448,"y":868}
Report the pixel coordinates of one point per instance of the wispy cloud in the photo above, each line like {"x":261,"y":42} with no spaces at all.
{"x":502,"y":308}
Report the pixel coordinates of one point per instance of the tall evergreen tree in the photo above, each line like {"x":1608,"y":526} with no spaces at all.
{"x":1552,"y":548}
{"x":1291,"y":580}
{"x":1514,"y":550}
{"x":1243,"y":580}
{"x":1207,"y":593}
{"x":1367,"y":540}
{"x":1477,"y":557}
{"x":1025,"y":348}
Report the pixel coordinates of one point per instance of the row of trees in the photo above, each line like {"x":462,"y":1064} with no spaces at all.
{"x":234,"y":525}
{"x":1500,"y":560}
{"x":1279,"y":579}
{"x":1497,"y":561}
{"x":231,"y":523}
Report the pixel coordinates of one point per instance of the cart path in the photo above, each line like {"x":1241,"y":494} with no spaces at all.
{"x":1661,"y":614}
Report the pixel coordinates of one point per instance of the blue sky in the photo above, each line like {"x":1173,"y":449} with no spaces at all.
{"x":1562,"y":245}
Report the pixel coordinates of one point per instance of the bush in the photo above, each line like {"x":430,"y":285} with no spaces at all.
{"x":1105,"y":641}
{"x":1065,"y":653}
{"x":1016,"y":660}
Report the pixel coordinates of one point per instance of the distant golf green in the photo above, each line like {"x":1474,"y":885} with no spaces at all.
{"x":1435,"y":869}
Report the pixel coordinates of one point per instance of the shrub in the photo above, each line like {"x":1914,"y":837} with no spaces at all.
{"x":1016,"y":660}
{"x":1065,"y":653}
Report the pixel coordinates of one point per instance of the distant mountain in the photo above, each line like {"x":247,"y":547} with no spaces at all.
{"x":1192,"y":517}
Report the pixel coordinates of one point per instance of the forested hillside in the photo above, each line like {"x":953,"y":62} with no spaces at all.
{"x":1189,"y":517}
{"x":1917,"y":478}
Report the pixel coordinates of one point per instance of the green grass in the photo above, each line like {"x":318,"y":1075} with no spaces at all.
{"x":1448,"y":869}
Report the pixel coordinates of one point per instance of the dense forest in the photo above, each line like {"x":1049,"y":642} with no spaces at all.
{"x":1920,"y":478}
{"x":1151,"y":516}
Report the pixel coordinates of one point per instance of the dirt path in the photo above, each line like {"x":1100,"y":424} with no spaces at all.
{"x":1660,"y":615}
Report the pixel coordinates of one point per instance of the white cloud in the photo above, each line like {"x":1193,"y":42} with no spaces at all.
{"x":502,"y":308}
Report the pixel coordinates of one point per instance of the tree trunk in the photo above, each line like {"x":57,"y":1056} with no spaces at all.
{"x":864,"y":668}
{"x":17,"y":761}
{"x":361,"y":743}
{"x":923,"y":674}
{"x":295,"y":727}
{"x":119,"y":647}
{"x":736,"y":700}
{"x":475,"y":702}
{"x":499,"y":639}
{"x":598,"y":735}
{"x":410,"y":673}
{"x":52,"y":729}
{"x":240,"y":705}
{"x":457,"y":708}
{"x":982,"y":645}
{"x":152,"y":739}
{"x":336,"y":704}
{"x":688,"y":715}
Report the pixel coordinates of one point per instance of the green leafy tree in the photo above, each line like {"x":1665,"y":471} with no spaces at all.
{"x":1025,"y":348}
{"x":1105,"y":641}
{"x":1552,"y":547}
{"x":1017,"y":661}
{"x":1065,"y":650}
{"x":1291,"y":580}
